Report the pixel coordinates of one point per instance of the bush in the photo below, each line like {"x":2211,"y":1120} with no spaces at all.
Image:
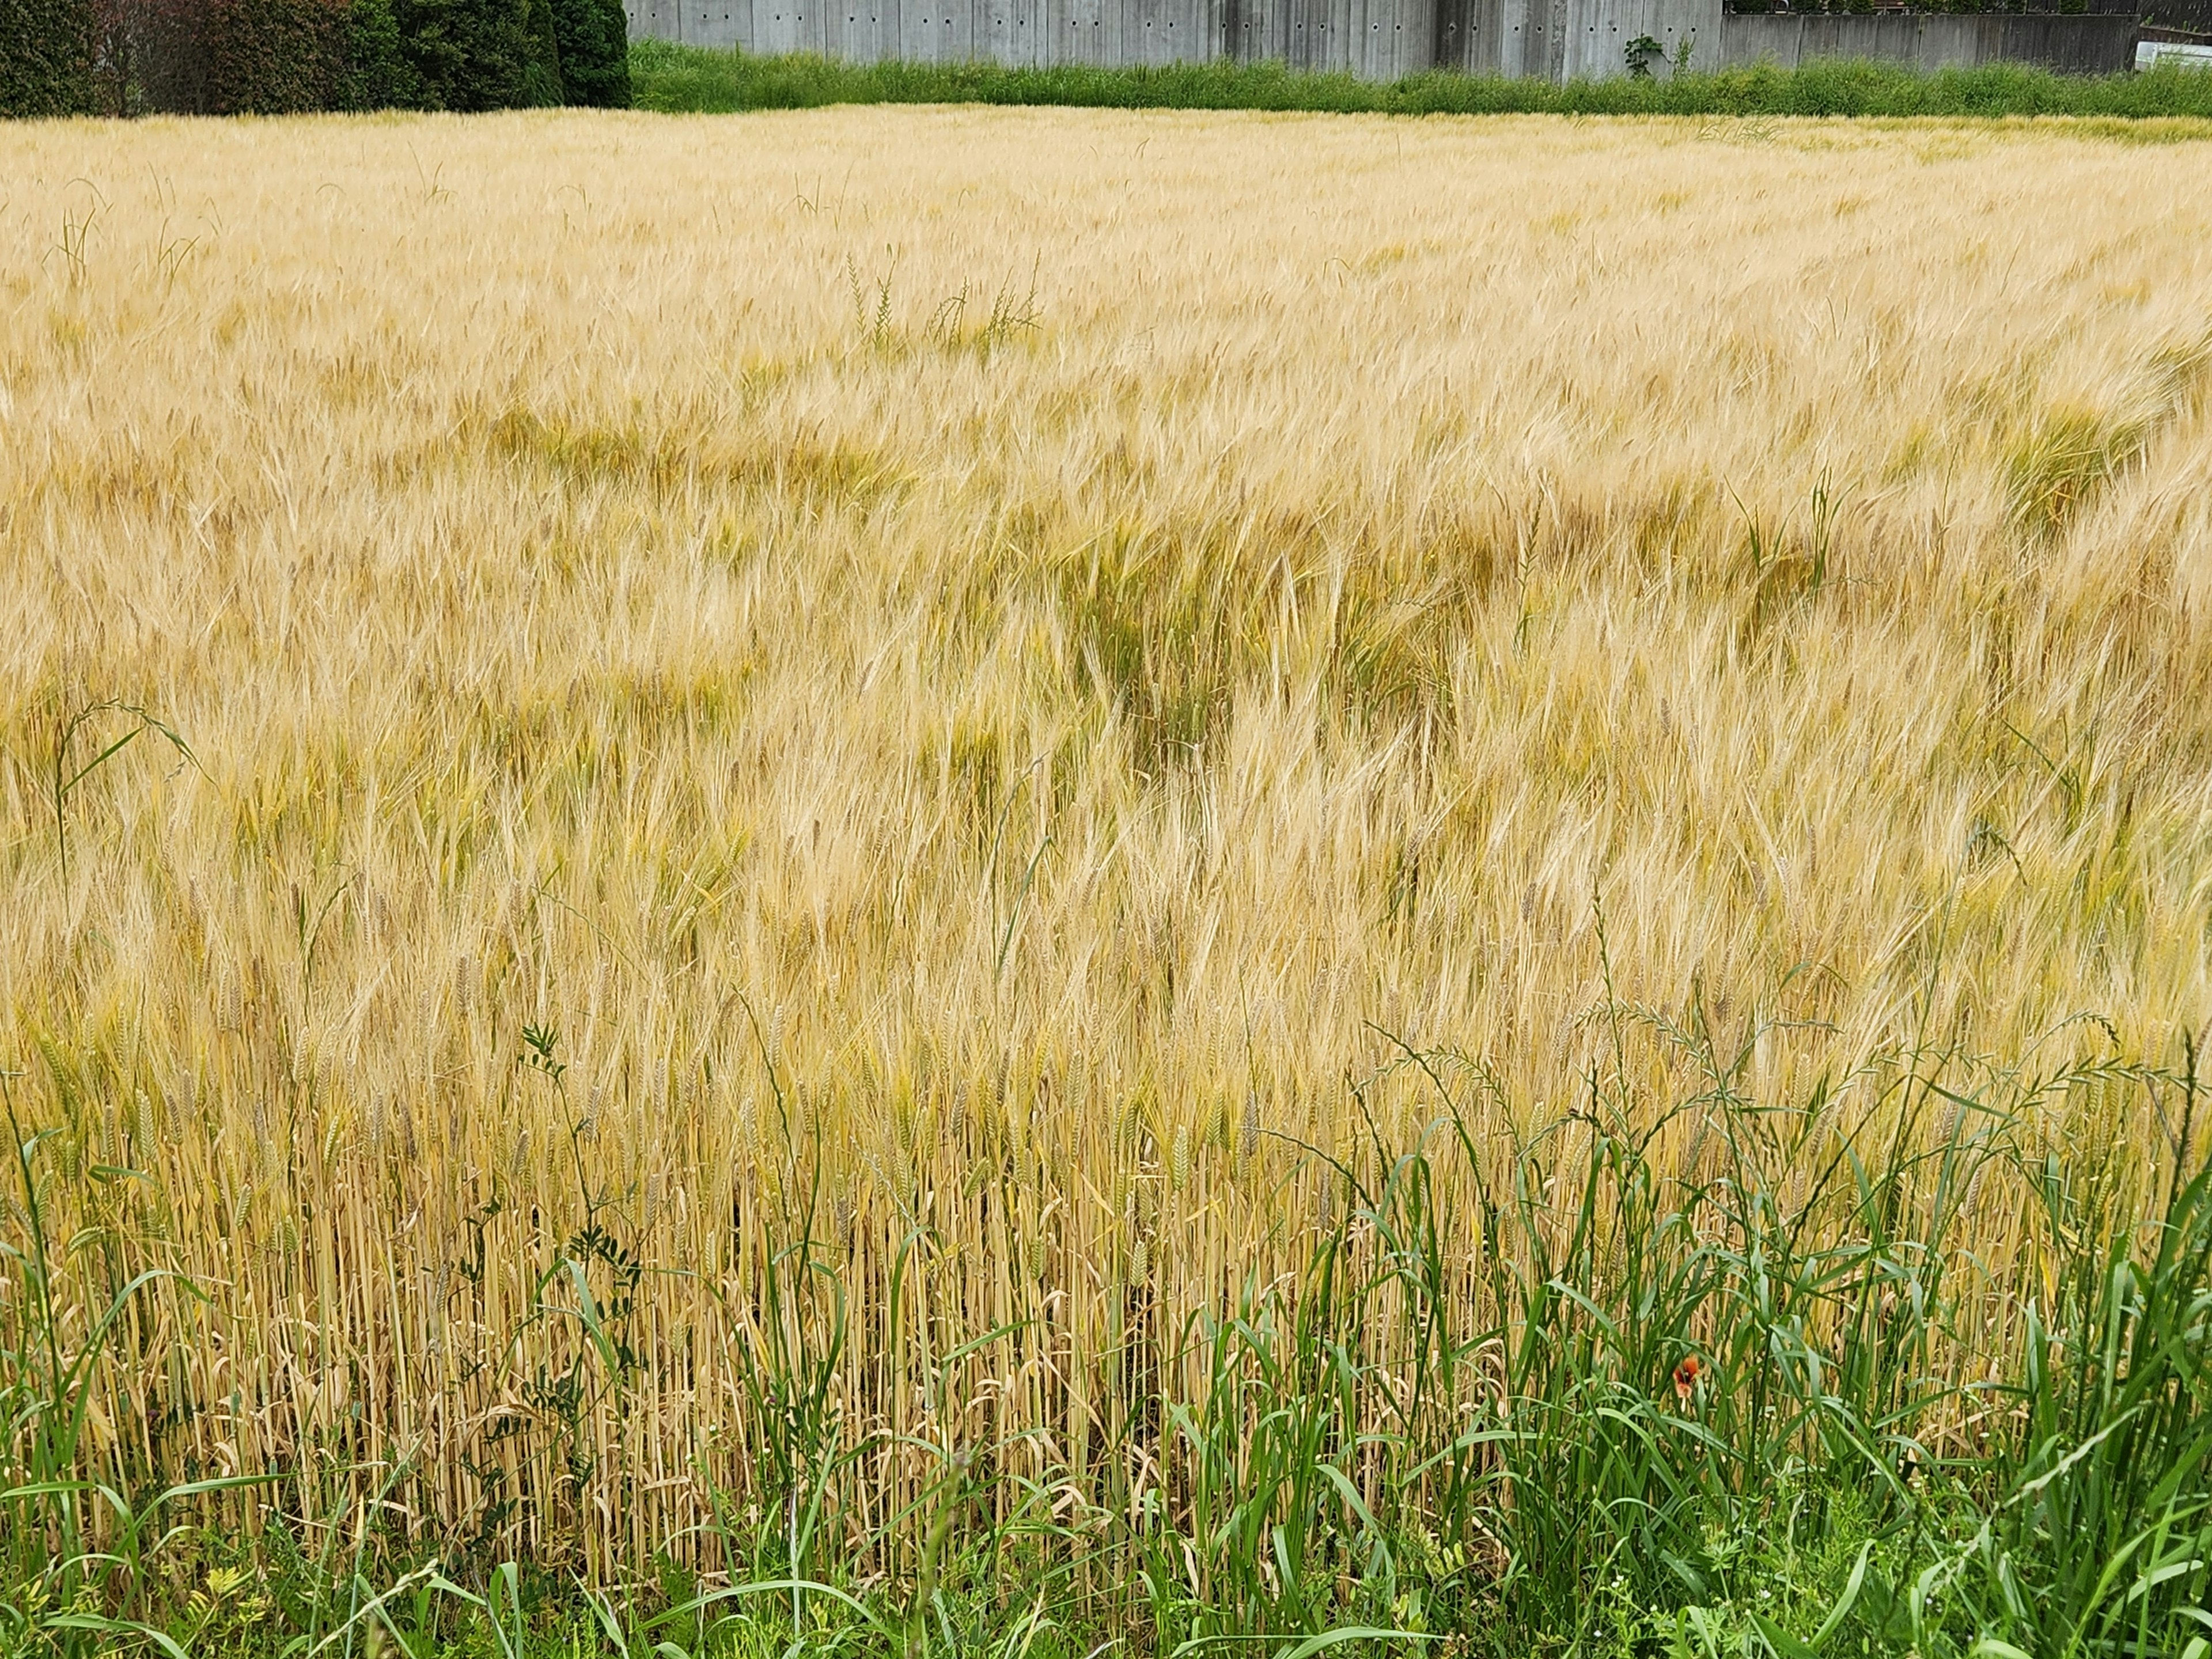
{"x":541,"y":60}
{"x":45,"y":56}
{"x":277,"y":56}
{"x":376,"y":74}
{"x":481,"y":54}
{"x":148,"y":55}
{"x":594,"y":45}
{"x":271,"y":56}
{"x":221,"y":56}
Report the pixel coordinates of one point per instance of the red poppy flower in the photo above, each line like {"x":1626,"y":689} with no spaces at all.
{"x":1686,"y":1377}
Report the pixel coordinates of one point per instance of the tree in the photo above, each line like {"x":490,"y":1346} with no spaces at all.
{"x":480,"y":54}
{"x":45,"y":56}
{"x":268,"y":57}
{"x":376,"y":73}
{"x":594,"y":40}
{"x":541,"y":67}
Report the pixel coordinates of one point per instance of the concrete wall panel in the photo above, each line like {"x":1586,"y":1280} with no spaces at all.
{"x":1086,"y":32}
{"x":1598,"y":31}
{"x":2082,"y":44}
{"x":1379,"y":39}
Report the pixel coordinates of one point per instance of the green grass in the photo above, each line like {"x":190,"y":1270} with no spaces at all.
{"x":691,"y":79}
{"x":1832,"y":1478}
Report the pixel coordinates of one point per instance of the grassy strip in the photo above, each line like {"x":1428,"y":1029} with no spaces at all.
{"x":698,"y":80}
{"x":1689,"y":1427}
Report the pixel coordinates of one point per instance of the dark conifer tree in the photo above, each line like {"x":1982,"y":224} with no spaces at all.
{"x":45,"y":56}
{"x":594,"y":40}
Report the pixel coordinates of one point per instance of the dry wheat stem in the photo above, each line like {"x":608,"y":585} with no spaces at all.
{"x":978,"y":655}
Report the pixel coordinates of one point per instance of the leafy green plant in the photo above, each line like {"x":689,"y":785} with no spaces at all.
{"x":78,"y":1546}
{"x":66,"y":775}
{"x":2101,"y":1539}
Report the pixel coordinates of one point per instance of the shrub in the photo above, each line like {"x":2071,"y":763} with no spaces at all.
{"x":375,"y":73}
{"x":45,"y":56}
{"x":594,"y":45}
{"x":220,"y":56}
{"x":276,"y":57}
{"x":148,"y":55}
{"x":540,"y":85}
{"x":271,"y":56}
{"x":481,"y":54}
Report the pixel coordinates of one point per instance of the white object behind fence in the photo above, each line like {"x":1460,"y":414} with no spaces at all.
{"x":2151,"y":53}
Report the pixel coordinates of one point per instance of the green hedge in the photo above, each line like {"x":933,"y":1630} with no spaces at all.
{"x":594,"y":42}
{"x":471,"y":55}
{"x":277,"y":56}
{"x":270,"y":56}
{"x":376,"y":72}
{"x":238,"y":56}
{"x":45,"y":56}
{"x":502,"y":54}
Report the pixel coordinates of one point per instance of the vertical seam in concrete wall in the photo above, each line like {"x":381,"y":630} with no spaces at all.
{"x":1379,"y":39}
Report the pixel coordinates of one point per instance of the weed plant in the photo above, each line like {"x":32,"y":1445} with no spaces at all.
{"x":1643,"y":1404}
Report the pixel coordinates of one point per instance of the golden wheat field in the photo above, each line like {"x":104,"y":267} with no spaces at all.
{"x":961,"y":681}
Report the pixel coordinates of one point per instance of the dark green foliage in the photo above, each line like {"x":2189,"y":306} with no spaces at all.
{"x":45,"y":56}
{"x":376,"y":73}
{"x":471,"y":55}
{"x":594,"y":47}
{"x":220,"y":56}
{"x":278,"y":57}
{"x":271,"y":56}
{"x":692,"y":78}
{"x":436,"y":42}
{"x":541,"y":86}
{"x":2100,"y":1544}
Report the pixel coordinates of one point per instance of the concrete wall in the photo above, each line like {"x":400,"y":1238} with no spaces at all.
{"x":1562,"y":39}
{"x":1377,"y":40}
{"x":1598,"y":31}
{"x":2078,"y":44}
